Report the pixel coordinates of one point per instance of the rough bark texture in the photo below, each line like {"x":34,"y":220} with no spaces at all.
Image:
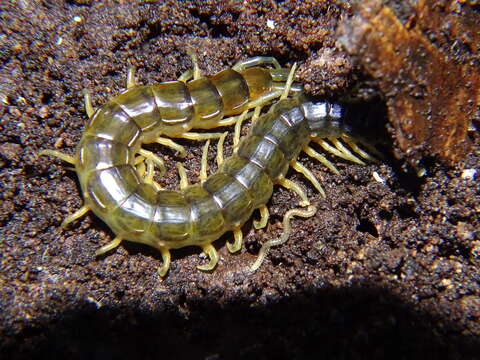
{"x":385,"y":269}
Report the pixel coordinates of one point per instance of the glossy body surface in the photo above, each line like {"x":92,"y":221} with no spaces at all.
{"x":198,"y":214}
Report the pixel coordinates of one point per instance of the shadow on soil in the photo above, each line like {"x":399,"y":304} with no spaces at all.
{"x":354,"y":323}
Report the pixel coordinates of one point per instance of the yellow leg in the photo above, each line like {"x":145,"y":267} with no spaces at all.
{"x":290,"y":185}
{"x":262,"y":100}
{"x":237,"y":244}
{"x":289,"y":82}
{"x":238,"y":127}
{"x":76,"y":215}
{"x":308,"y":212}
{"x":150,"y":171}
{"x":183,"y":176}
{"x":200,"y":136}
{"x":350,"y":142}
{"x":195,"y":72}
{"x":67,"y":158}
{"x":264,"y":215}
{"x":346,"y":152}
{"x":232,"y":120}
{"x":156,"y":160}
{"x":308,"y":174}
{"x":162,"y":271}
{"x":322,"y":159}
{"x":172,"y":144}
{"x":131,"y":77}
{"x":326,"y":146}
{"x":213,"y":256}
{"x":204,"y":163}
{"x":141,"y":169}
{"x":111,"y":245}
{"x":88,"y":103}
{"x":220,"y":149}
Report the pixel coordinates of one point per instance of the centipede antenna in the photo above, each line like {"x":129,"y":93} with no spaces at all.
{"x":308,"y":212}
{"x":220,"y":149}
{"x":264,"y":215}
{"x":111,"y":245}
{"x":204,"y":163}
{"x":213,"y":256}
{"x":75,"y":216}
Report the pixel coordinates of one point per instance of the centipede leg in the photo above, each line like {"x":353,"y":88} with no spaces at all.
{"x":238,"y":241}
{"x":213,"y":256}
{"x":308,"y":212}
{"x":288,"y":84}
{"x":76,"y":215}
{"x":195,"y":72}
{"x":290,"y":185}
{"x":148,"y":178}
{"x":88,"y":103}
{"x":183,"y":176}
{"x":308,"y":174}
{"x":166,"y":258}
{"x":335,"y":151}
{"x":322,"y":159}
{"x":199,"y":136}
{"x":220,"y":149}
{"x":65,"y":157}
{"x":156,"y":160}
{"x":256,"y":61}
{"x":111,"y":245}
{"x":171,"y":144}
{"x":204,"y":162}
{"x":264,"y":215}
{"x":352,"y":143}
{"x":238,"y":127}
{"x":131,"y":77}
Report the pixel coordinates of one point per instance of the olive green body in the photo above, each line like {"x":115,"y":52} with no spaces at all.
{"x":198,"y":214}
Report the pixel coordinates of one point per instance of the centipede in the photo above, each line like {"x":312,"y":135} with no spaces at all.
{"x":135,"y":209}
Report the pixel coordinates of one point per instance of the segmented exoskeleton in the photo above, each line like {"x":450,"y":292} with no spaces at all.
{"x":198,"y":214}
{"x":171,"y":109}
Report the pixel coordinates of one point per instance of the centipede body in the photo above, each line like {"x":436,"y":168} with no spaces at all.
{"x":198,"y":214}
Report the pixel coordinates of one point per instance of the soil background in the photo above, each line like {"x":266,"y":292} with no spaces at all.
{"x":387,"y":268}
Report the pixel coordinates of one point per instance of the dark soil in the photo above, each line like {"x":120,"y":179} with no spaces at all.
{"x":385,"y":269}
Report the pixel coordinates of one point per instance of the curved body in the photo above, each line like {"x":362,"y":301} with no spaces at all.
{"x":174,"y":107}
{"x":200,"y":213}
